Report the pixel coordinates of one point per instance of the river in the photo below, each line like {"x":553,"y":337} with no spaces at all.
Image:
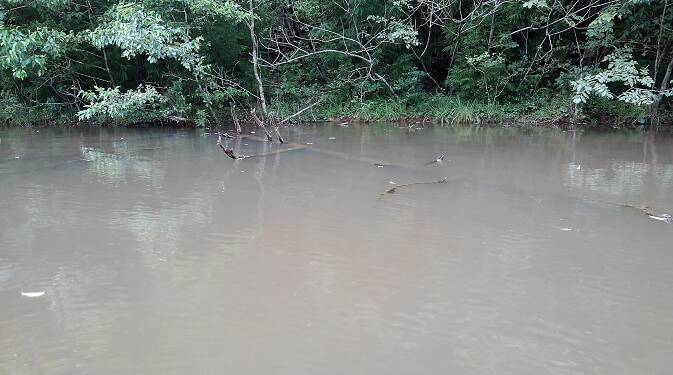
{"x":158,"y":254}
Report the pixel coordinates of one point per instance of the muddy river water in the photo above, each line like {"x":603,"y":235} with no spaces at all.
{"x":149,"y":251}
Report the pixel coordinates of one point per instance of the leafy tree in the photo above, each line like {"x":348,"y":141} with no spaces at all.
{"x":195,"y":60}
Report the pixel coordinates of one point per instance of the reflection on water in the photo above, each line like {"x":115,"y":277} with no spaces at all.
{"x":159,"y":255}
{"x":619,"y":178}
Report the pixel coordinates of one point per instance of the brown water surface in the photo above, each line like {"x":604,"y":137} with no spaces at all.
{"x":159,"y":255}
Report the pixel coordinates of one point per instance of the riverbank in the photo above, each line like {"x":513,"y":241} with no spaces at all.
{"x":441,"y":110}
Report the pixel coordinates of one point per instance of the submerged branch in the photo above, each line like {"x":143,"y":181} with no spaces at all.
{"x":227,"y":151}
{"x":260,"y":124}
{"x":230,"y":152}
{"x":394,"y":189}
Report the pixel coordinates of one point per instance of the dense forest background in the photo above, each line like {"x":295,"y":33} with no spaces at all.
{"x":202,"y":61}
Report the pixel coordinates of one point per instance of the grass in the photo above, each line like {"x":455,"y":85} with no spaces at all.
{"x":436,"y":107}
{"x":440,"y":108}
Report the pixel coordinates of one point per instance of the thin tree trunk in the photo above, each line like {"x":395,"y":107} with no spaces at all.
{"x":234,"y":118}
{"x":662,"y":88}
{"x":459,"y":37}
{"x":276,"y":128}
{"x":255,"y":62}
{"x":260,"y":124}
{"x":105,"y":60}
{"x":455,"y":46}
{"x":107,"y":67}
{"x":380,"y":78}
{"x":490,"y":34}
{"x":659,"y":49}
{"x":667,"y":77}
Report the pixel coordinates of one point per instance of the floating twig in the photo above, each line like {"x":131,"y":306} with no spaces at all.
{"x":393,"y":190}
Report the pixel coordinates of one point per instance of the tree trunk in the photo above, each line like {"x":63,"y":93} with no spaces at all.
{"x":490,"y":34}
{"x":105,"y":59}
{"x":659,"y":47}
{"x":260,"y":124}
{"x":234,"y":118}
{"x":255,"y":62}
{"x":664,"y":86}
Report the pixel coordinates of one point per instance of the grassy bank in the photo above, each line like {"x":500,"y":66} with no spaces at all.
{"x":454,"y":110}
{"x":428,"y":109}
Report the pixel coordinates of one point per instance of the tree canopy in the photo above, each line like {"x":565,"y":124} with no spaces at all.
{"x":144,"y":60}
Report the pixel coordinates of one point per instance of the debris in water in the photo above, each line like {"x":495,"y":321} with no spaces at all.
{"x":344,"y":124}
{"x":566,"y":229}
{"x":379,"y":165}
{"x":437,"y":160}
{"x":393,"y":190}
{"x":309,"y":143}
{"x":665,"y":218}
{"x":225,"y":135}
{"x":252,"y":132}
{"x":227,"y":151}
{"x":649,"y":211}
{"x":392,"y":182}
{"x":331,"y":138}
{"x":17,"y":157}
{"x":32,"y":294}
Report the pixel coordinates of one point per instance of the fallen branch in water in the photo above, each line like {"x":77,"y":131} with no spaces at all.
{"x":339,"y":154}
{"x":260,"y":124}
{"x":394,"y":189}
{"x":276,"y":128}
{"x":227,"y":151}
{"x":649,"y":211}
{"x":275,"y":152}
{"x":230,"y":153}
{"x":342,"y":155}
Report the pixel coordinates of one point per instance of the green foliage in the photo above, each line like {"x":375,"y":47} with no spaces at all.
{"x":26,"y":53}
{"x":132,"y":105}
{"x":462,"y":61}
{"x":137,"y":30}
{"x":597,"y":107}
{"x":621,"y":69}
